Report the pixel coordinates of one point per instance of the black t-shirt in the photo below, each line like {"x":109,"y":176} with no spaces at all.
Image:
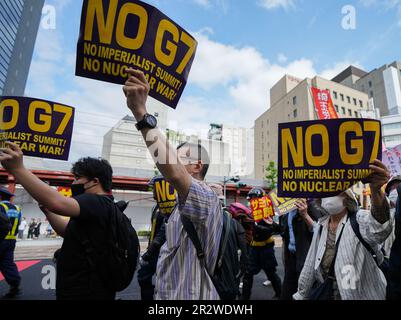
{"x":75,"y":279}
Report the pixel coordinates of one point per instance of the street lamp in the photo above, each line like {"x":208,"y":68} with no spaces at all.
{"x":228,"y":179}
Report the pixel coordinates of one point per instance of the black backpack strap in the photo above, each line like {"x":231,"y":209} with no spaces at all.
{"x":355,"y":227}
{"x":193,"y":235}
{"x":226,"y":227}
{"x":333,"y":263}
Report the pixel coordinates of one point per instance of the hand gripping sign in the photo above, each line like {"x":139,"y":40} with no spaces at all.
{"x":41,"y":128}
{"x":120,"y":34}
{"x":165,"y":196}
{"x":261,"y":208}
{"x":323,"y":158}
{"x":282,"y":205}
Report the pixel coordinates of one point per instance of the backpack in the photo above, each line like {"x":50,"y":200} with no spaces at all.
{"x":384,"y":266}
{"x":5,"y":226}
{"x":117,"y":260}
{"x":226,"y":275}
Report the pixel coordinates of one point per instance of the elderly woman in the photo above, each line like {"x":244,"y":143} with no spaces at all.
{"x":338,"y":265}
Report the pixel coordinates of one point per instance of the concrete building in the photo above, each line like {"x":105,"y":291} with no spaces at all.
{"x":241,"y":150}
{"x":19,"y":23}
{"x":383,"y":85}
{"x":391,"y":130}
{"x":291,"y":100}
{"x":123,"y":145}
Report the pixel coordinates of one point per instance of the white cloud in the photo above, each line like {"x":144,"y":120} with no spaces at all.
{"x":273,"y":4}
{"x":203,"y":3}
{"x":282,"y":58}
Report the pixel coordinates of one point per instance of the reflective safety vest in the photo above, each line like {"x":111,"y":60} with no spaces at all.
{"x":13,"y":213}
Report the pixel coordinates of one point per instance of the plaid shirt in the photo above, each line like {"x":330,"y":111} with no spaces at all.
{"x":180,"y":275}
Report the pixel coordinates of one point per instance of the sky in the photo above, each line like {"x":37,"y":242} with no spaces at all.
{"x":244,"y":48}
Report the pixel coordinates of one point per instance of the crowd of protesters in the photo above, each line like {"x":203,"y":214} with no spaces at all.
{"x":332,"y":249}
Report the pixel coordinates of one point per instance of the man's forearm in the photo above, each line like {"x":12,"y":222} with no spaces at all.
{"x":380,"y":206}
{"x":166,"y":159}
{"x":58,"y":223}
{"x":39,"y":190}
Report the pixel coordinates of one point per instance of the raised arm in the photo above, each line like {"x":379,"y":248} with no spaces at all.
{"x":136,"y":90}
{"x":12,"y":160}
{"x":380,"y":205}
{"x":59,"y":224}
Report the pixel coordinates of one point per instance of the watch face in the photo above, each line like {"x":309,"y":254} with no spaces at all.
{"x":151,"y":120}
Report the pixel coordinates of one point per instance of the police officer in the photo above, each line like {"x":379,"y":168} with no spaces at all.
{"x":261,"y":252}
{"x":7,"y":265}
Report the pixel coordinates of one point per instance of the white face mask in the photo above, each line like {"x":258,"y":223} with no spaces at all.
{"x":333,"y":205}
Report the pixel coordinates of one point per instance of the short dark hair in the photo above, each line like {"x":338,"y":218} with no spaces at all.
{"x":5,"y":197}
{"x":197,"y":150}
{"x":92,"y":168}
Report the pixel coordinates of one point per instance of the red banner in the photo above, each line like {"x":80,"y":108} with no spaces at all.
{"x":323,"y":104}
{"x":262,"y":208}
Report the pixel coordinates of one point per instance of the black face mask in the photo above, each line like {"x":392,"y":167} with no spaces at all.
{"x":77,"y":189}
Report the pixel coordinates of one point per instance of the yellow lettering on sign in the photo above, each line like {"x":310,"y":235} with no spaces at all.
{"x":297,"y":152}
{"x":14,"y":105}
{"x":166,"y":26}
{"x":105,"y":26}
{"x":373,"y":126}
{"x":356,"y":144}
{"x":45,"y":117}
{"x":67,"y":111}
{"x":121,"y":38}
{"x":191,"y":43}
{"x":313,"y":160}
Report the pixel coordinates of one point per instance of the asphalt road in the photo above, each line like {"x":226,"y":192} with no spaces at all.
{"x":38,"y":281}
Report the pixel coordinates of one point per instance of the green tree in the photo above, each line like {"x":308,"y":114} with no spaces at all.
{"x":271,"y":175}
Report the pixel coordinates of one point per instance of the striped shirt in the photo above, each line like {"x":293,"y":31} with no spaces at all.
{"x":357,"y":274}
{"x":180,"y":275}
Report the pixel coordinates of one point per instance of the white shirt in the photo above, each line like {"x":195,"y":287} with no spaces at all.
{"x":357,"y":274}
{"x":22,"y":225}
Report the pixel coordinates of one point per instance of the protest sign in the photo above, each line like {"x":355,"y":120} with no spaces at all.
{"x":261,"y":208}
{"x":282,"y":205}
{"x":120,"y":34}
{"x":166,"y":196}
{"x":392,"y":160}
{"x":323,"y":104}
{"x":41,"y":128}
{"x":323,"y":158}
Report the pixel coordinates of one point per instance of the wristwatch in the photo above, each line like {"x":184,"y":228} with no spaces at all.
{"x":148,"y":121}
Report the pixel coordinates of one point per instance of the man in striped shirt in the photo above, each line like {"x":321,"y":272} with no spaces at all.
{"x":180,"y":275}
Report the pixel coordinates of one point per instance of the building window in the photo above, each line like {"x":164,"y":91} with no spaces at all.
{"x":361,"y":104}
{"x":370,"y":84}
{"x":355,"y":102}
{"x":336,"y":106}
{"x":335,"y":94}
{"x":295,"y":113}
{"x":348,"y":99}
{"x":342,"y":97}
{"x":350,"y":112}
{"x":294,"y":100}
{"x":356,"y":114}
{"x":343,"y":110}
{"x":371,"y":93}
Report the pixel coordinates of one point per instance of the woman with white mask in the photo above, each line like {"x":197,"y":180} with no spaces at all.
{"x":392,"y":194}
{"x":339,"y":265}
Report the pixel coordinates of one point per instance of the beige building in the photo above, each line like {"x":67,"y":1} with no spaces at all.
{"x":291,"y":100}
